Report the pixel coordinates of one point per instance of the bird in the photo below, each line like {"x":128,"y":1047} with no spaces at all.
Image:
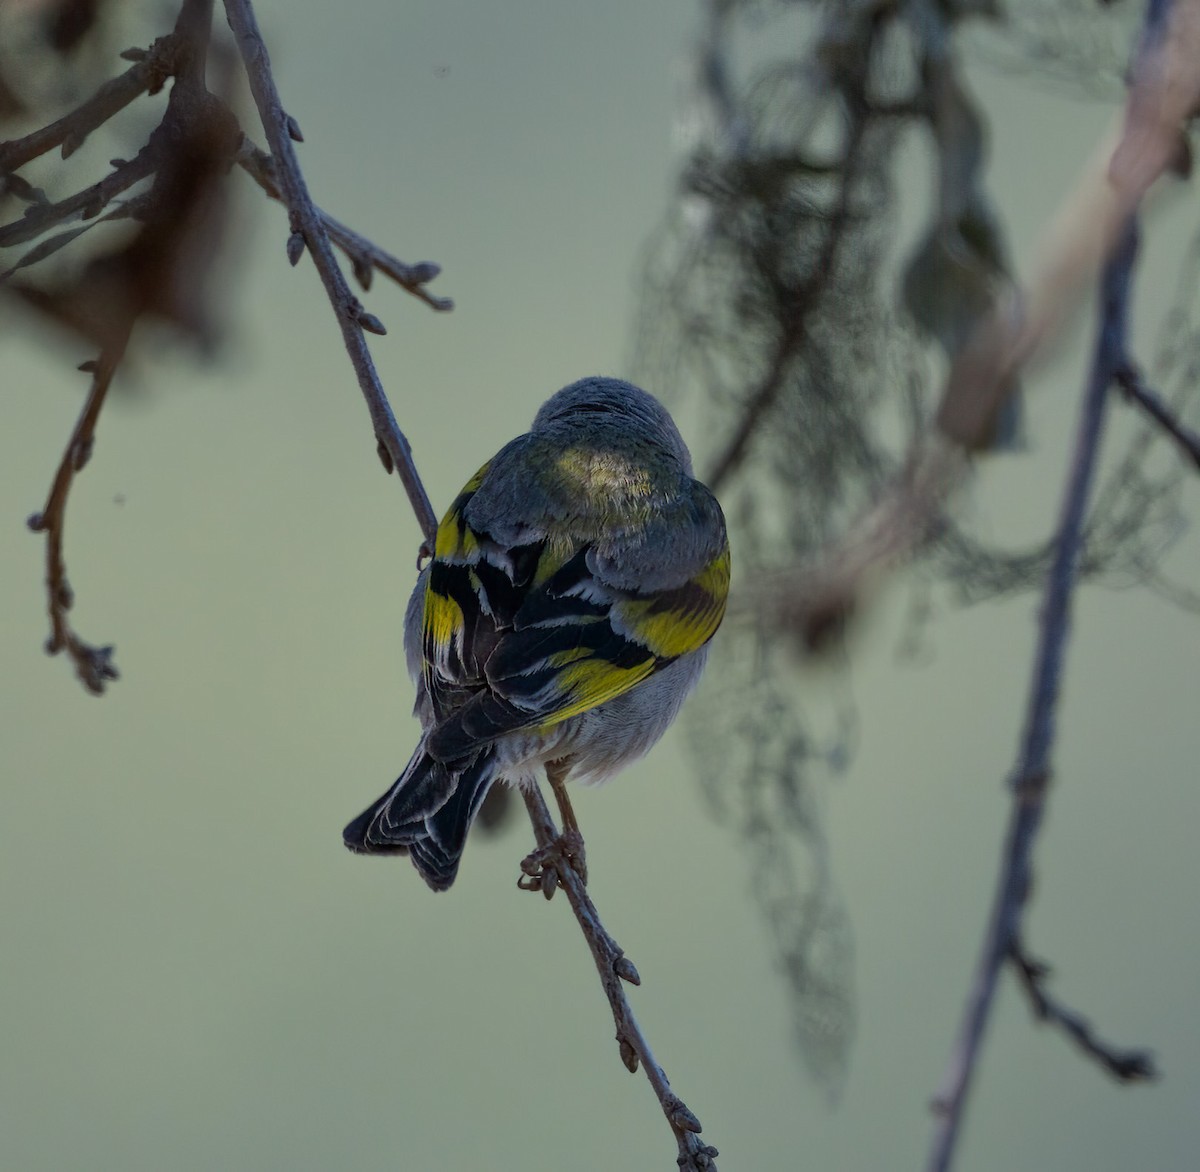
{"x":567,"y":610}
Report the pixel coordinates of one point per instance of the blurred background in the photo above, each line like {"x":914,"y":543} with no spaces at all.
{"x":197,"y":975}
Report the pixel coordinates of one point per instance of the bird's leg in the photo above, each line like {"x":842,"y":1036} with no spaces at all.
{"x":567,"y":849}
{"x":570,"y":838}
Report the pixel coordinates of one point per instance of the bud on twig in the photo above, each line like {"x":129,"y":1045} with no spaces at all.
{"x":424,"y":270}
{"x":363,"y":271}
{"x":370,"y":323}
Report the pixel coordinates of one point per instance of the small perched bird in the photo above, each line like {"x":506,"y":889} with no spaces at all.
{"x":574,"y":587}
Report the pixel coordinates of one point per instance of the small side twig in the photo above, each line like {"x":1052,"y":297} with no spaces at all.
{"x":125,"y":285}
{"x":89,"y":202}
{"x":1031,"y":776}
{"x":1123,"y":1065}
{"x":1129,"y":379}
{"x":365,"y":257}
{"x":151,"y":69}
{"x":93,"y":665}
{"x":308,"y":223}
{"x":614,"y":968}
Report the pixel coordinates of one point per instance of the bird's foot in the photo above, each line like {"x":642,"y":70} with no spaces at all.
{"x":541,"y":869}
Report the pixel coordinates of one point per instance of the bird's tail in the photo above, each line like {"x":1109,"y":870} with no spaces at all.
{"x":426,"y":814}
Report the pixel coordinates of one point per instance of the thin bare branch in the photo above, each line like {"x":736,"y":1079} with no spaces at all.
{"x":93,"y":665}
{"x":1123,"y":1065}
{"x":188,"y":150}
{"x":89,"y":202}
{"x":307,"y":220}
{"x":364,"y":256}
{"x":1031,"y":775}
{"x":614,"y":968}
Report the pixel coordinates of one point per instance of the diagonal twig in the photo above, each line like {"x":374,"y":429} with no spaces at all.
{"x":363,"y":254}
{"x":615,"y":967}
{"x":87,"y":203}
{"x":309,"y":229}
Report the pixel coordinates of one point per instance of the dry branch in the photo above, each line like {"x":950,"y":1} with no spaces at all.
{"x":1032,"y":773}
{"x":614,"y":968}
{"x":93,"y":665}
{"x":281,"y":132}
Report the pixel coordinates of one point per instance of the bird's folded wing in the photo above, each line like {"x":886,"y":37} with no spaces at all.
{"x":522,"y":638}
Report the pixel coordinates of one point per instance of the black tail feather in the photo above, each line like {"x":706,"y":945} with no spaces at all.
{"x":426,"y":815}
{"x":355,"y":834}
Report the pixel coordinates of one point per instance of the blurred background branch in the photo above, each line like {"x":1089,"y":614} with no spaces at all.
{"x":782,"y":300}
{"x":160,"y":271}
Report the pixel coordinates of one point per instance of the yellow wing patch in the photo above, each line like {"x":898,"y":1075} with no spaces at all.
{"x":678,"y":621}
{"x":592,"y":681}
{"x":668,"y":625}
{"x":455,"y":542}
{"x":443,"y":620}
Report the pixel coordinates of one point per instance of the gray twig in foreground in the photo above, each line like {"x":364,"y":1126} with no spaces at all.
{"x":308,"y":227}
{"x":615,"y":967}
{"x":1031,"y":776}
{"x":365,"y":257}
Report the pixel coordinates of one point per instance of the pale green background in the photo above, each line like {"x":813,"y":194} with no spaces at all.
{"x":197,"y":976}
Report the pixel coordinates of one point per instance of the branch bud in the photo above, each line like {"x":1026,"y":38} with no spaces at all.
{"x":363,"y":271}
{"x":624,"y":968}
{"x":629,"y":1056}
{"x":370,"y":323}
{"x":682,"y":1118}
{"x":424,"y":270}
{"x":82,"y":453}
